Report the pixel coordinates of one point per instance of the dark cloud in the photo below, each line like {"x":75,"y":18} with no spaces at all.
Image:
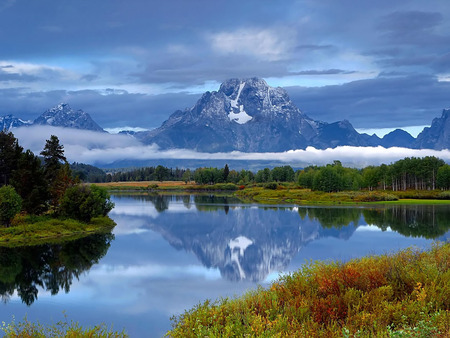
{"x":410,"y":26}
{"x":74,"y":51}
{"x":16,"y":77}
{"x":381,"y":102}
{"x":113,"y":108}
{"x":323,"y":72}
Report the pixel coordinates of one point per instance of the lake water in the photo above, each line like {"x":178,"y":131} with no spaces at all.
{"x":168,"y":253}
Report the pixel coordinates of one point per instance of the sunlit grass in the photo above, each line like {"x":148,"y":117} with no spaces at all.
{"x":64,"y":328}
{"x":34,"y":230}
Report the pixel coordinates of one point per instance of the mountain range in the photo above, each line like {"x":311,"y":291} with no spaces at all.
{"x":59,"y":116}
{"x":250,"y":116}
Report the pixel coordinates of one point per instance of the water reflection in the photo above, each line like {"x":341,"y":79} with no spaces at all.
{"x":428,"y":221}
{"x":51,"y":267}
{"x":247,"y":242}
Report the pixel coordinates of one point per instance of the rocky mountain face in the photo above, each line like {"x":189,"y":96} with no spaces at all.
{"x":245,"y":115}
{"x":60,"y":116}
{"x":64,"y":116}
{"x":8,"y":122}
{"x":437,"y":136}
{"x":250,"y":116}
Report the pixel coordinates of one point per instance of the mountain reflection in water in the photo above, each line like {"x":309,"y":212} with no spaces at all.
{"x":51,"y":267}
{"x":245,"y":242}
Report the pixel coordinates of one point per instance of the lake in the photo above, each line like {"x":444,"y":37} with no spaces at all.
{"x":168,"y":253}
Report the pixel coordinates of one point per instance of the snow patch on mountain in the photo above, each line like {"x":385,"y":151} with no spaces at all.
{"x":242,"y":117}
{"x":234,"y":103}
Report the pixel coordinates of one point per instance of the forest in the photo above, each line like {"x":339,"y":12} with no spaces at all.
{"x":34,"y":188}
{"x":427,"y":173}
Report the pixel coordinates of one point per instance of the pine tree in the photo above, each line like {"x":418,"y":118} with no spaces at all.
{"x":10,"y":153}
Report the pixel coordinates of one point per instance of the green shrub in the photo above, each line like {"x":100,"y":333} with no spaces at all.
{"x":10,"y":204}
{"x":376,"y":196}
{"x":445,"y":195}
{"x":271,"y":185}
{"x":84,"y":202}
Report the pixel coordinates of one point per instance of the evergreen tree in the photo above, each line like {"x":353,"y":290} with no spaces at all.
{"x":29,"y":182}
{"x":226,"y":172}
{"x":10,"y":153}
{"x":53,"y":156}
{"x":57,"y":170}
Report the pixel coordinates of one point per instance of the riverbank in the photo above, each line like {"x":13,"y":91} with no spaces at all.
{"x":35,"y":230}
{"x":287,"y":193}
{"x":400,"y":295}
{"x":294,"y":195}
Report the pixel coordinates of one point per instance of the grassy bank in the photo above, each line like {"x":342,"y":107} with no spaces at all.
{"x":401,"y":295}
{"x":293,"y":195}
{"x":35,"y":230}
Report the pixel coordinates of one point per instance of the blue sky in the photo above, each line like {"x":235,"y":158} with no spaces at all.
{"x":379,"y":64}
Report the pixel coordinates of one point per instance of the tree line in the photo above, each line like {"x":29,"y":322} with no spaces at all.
{"x":409,"y":173}
{"x":36,"y":188}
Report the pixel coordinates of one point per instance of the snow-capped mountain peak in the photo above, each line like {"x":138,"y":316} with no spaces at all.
{"x":9,"y":122}
{"x":63,"y":115}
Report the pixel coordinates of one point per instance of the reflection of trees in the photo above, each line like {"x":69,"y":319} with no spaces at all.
{"x":429,"y":221}
{"x":50,"y":266}
{"x":214,"y":203}
{"x":332,"y":217}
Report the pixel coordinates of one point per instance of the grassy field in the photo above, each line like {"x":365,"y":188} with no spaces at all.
{"x":402,"y":295}
{"x":35,"y":230}
{"x":144,"y":184}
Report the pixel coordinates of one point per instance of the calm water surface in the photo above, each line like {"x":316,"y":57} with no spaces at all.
{"x":168,"y":253}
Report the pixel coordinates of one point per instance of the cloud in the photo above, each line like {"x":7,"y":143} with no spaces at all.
{"x":100,"y":148}
{"x":410,"y":26}
{"x":110,"y":109}
{"x":265,"y":44}
{"x":389,"y":100}
{"x":77,"y":143}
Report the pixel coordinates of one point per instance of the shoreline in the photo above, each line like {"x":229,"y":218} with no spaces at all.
{"x":27,"y":232}
{"x":284,"y":193}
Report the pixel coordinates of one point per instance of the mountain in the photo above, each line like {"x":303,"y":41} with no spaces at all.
{"x":8,"y":122}
{"x":398,"y":138}
{"x":64,"y":116}
{"x":250,"y":116}
{"x":336,"y":134}
{"x":437,"y":136}
{"x":245,"y":115}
